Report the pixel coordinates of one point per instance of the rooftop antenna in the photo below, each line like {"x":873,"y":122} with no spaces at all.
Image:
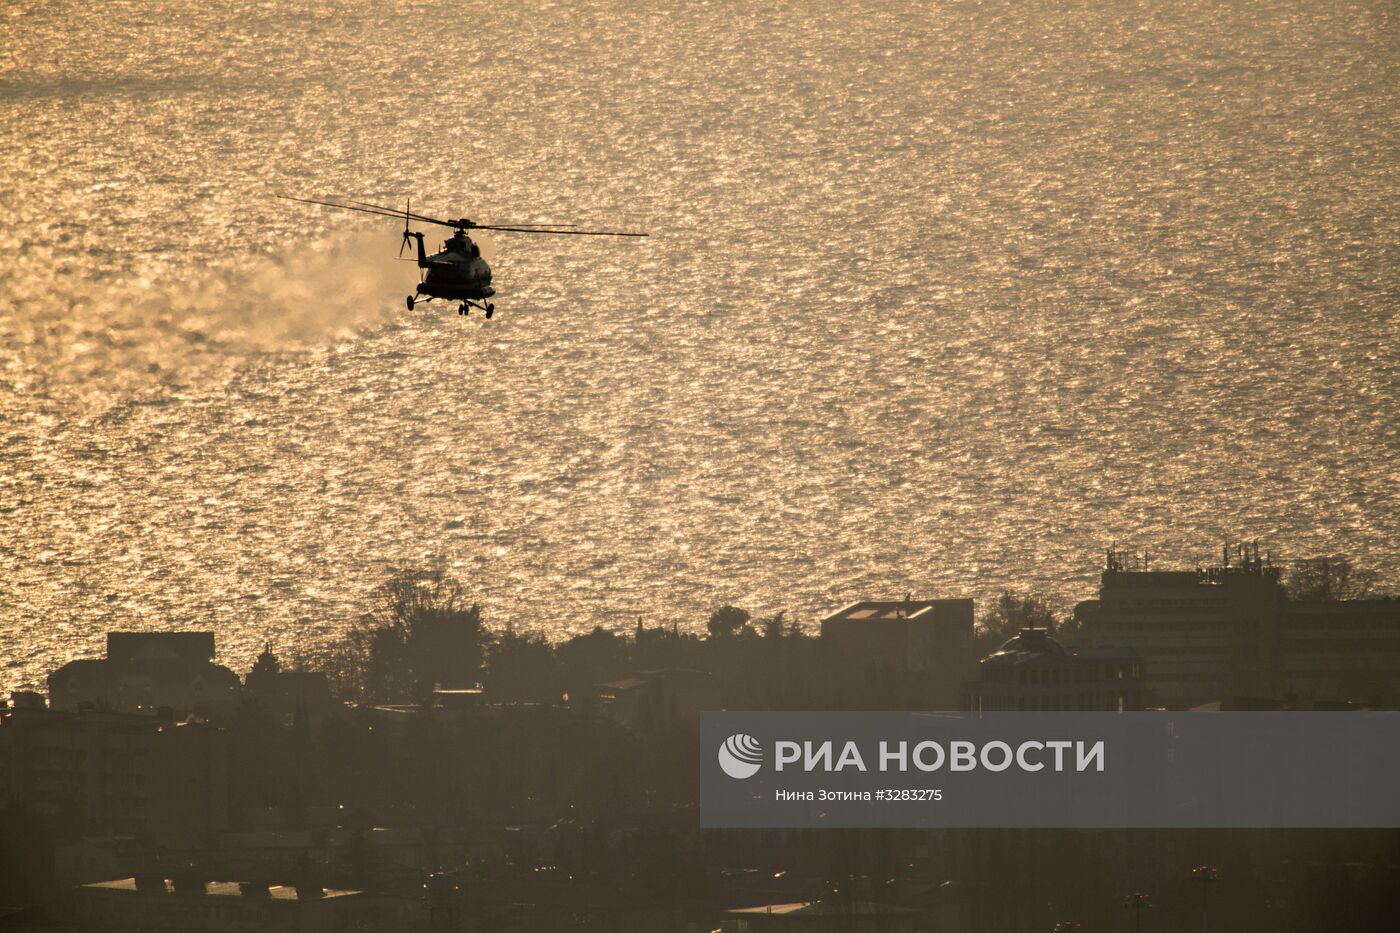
{"x":1115,"y":561}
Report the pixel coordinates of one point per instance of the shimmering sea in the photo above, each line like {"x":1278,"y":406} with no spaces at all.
{"x":942,"y":297}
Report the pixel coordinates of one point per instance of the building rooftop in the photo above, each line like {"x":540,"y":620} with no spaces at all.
{"x":1025,"y":645}
{"x":878,"y":610}
{"x":188,"y":646}
{"x":1032,"y":643}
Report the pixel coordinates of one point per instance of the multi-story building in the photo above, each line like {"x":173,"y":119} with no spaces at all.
{"x":1230,"y":631}
{"x":144,"y":671}
{"x":1340,"y":650}
{"x":106,"y":773}
{"x":1033,"y":671}
{"x":928,"y":641}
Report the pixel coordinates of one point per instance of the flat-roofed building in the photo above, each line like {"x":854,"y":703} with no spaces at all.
{"x":1347,"y":649}
{"x":1179,"y":620}
{"x":135,"y":646}
{"x":928,"y":642}
{"x":1231,"y":631}
{"x":144,"y":671}
{"x":113,"y":773}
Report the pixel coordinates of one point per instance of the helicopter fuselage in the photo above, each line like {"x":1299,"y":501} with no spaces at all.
{"x":456,"y":273}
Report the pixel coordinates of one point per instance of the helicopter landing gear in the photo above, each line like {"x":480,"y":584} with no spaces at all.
{"x":409,"y":302}
{"x":488,"y":307}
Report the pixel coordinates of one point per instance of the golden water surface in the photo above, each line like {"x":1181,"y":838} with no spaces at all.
{"x":941,"y":296}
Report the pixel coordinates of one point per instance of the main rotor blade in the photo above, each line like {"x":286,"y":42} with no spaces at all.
{"x":379,"y":210}
{"x":452,"y":223}
{"x":559,"y":232}
{"x":347,"y":207}
{"x":374,"y":209}
{"x":422,"y":218}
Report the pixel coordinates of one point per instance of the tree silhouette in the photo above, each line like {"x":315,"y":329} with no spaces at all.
{"x":1008,"y":615}
{"x":1328,"y":578}
{"x":727,"y":621}
{"x":421,"y":631}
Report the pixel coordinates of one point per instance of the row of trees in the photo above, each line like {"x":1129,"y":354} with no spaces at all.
{"x":423,"y":631}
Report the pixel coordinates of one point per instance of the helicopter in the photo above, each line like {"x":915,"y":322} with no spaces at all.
{"x":456,"y":272}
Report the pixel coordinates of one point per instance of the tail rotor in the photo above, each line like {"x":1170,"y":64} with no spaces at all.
{"x":407,"y":236}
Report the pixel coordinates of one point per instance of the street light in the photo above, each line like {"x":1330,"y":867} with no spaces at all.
{"x":1137,"y":903}
{"x":1205,"y":874}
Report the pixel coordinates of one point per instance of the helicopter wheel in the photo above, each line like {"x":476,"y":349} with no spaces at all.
{"x":463,"y":309}
{"x":490,"y":310}
{"x":409,"y":301}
